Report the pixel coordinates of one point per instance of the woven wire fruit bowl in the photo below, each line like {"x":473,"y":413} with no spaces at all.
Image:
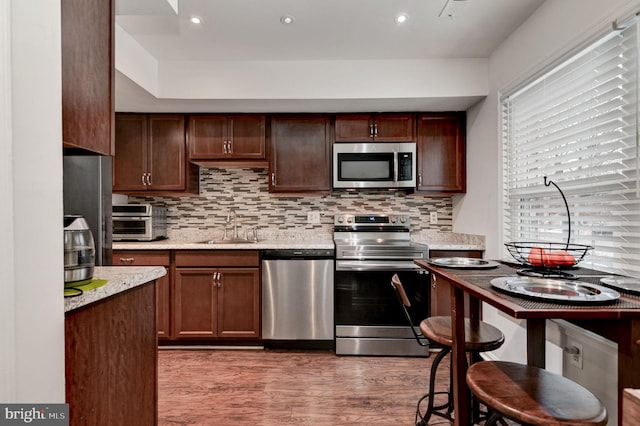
{"x":549,"y":256}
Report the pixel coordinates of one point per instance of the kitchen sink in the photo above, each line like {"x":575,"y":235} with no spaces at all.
{"x":229,"y":241}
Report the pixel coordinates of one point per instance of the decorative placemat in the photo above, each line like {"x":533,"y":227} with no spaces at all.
{"x":78,"y":287}
{"x":484,"y":283}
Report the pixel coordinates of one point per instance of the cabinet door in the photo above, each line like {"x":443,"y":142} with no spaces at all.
{"x":441,"y":153}
{"x":163,"y":306}
{"x":207,"y":137}
{"x":394,"y":128}
{"x":167,"y":153}
{"x":300,"y":154}
{"x":194,"y":303}
{"x":441,"y":288}
{"x":354,"y":128}
{"x":87,"y":75}
{"x":246,"y":133}
{"x":239,"y":303}
{"x":130,"y":157}
{"x":163,"y":284}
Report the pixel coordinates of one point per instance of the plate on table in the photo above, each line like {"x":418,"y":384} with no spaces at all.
{"x":556,"y":290}
{"x":624,"y":284}
{"x":462,"y":262}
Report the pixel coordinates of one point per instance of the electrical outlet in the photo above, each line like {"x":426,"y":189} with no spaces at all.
{"x":574,"y":349}
{"x":313,"y":217}
{"x":433,"y":218}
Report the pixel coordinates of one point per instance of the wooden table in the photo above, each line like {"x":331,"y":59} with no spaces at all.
{"x":619,"y":322}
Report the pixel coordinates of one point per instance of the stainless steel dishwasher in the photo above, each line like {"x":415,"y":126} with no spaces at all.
{"x":297,"y":298}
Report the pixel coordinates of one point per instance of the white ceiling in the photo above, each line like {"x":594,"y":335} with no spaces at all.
{"x":323,"y":30}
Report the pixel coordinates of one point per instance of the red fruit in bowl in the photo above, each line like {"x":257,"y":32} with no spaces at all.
{"x":560,"y":258}
{"x":537,"y":256}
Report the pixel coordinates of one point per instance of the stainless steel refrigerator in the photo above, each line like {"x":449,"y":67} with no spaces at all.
{"x":87,"y":192}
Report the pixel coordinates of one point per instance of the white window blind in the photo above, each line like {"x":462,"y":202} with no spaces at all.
{"x":578,"y":125}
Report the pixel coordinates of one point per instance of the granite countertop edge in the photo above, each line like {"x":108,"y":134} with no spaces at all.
{"x":188,"y":245}
{"x":120,"y":278}
{"x":435,"y":241}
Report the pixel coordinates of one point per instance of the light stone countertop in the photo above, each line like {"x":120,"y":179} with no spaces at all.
{"x":188,"y":245}
{"x":120,"y":278}
{"x":304,"y":239}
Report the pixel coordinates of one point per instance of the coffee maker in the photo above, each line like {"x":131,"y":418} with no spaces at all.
{"x":79,"y":249}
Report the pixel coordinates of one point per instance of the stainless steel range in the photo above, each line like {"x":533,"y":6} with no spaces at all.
{"x":370,"y":248}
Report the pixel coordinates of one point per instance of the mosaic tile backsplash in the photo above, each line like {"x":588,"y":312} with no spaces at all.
{"x":247,"y":191}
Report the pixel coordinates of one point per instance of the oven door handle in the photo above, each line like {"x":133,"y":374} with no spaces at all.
{"x":347,"y":265}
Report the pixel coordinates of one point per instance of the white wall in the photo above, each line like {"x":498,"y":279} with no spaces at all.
{"x":555,"y":29}
{"x":32,"y":303}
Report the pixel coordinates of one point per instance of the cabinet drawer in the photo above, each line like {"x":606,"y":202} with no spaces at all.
{"x":141,"y":258}
{"x":202,"y":258}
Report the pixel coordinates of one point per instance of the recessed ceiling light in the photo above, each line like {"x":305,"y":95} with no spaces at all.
{"x":401,"y":19}
{"x":286,"y":19}
{"x":195,"y":20}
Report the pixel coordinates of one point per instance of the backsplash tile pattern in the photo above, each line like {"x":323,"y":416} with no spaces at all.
{"x":247,"y":191}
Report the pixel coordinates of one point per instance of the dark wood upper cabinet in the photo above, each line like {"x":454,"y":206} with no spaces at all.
{"x":87,"y":75}
{"x":300,"y":153}
{"x":389,"y":127}
{"x":442,"y":152}
{"x":150,"y":155}
{"x":226,"y":137}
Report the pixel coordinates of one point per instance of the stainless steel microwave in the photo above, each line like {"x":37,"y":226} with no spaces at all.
{"x":139,"y":222}
{"x":373,"y":165}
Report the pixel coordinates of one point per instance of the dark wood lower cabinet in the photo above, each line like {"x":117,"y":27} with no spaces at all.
{"x":111,"y":360}
{"x":163,"y":284}
{"x":217,"y":302}
{"x":216,"y":294}
{"x":207,"y":294}
{"x":441,"y":288}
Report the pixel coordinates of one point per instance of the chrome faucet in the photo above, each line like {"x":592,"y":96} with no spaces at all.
{"x":231,"y":212}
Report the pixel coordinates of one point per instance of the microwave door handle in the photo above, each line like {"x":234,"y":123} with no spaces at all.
{"x":395,"y":166}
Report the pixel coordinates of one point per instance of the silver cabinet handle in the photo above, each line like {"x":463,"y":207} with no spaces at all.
{"x":433,"y":281}
{"x":127,"y":260}
{"x":149,"y":179}
{"x":219,"y":279}
{"x":375,"y":130}
{"x":371,"y":134}
{"x":230,"y":145}
{"x":224,"y":147}
{"x":273,"y":179}
{"x":419,"y":179}
{"x":144,"y":180}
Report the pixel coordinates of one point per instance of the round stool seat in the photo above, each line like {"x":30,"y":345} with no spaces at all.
{"x":533,"y":395}
{"x":482,"y":338}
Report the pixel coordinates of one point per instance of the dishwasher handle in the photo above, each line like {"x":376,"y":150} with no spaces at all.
{"x":297,"y":254}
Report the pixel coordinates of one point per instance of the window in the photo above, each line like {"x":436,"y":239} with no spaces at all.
{"x":578,"y":125}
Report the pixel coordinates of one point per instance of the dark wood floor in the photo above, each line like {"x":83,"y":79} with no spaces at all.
{"x":264,"y":387}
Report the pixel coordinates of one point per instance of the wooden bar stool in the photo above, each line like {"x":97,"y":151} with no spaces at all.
{"x":532,"y":395}
{"x":481,"y":338}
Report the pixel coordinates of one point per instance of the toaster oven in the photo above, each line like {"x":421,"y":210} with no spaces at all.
{"x":139,"y":222}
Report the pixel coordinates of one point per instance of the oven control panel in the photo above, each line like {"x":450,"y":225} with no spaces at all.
{"x":376,"y":220}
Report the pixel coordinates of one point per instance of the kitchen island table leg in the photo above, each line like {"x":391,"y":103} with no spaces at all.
{"x":461,"y":399}
{"x":536,"y":340}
